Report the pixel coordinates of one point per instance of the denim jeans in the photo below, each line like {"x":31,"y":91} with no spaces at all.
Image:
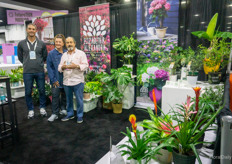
{"x":78,"y":91}
{"x":58,"y":100}
{"x":40,"y":83}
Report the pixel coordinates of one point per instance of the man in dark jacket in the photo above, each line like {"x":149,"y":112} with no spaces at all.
{"x":32,"y":53}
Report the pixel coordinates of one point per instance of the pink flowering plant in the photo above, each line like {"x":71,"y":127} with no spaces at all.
{"x":154,"y":77}
{"x":158,"y":10}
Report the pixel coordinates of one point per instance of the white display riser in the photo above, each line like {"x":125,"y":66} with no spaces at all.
{"x":88,"y":104}
{"x":16,"y":92}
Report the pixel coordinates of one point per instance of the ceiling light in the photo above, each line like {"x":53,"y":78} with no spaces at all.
{"x":184,"y":2}
{"x":230,"y":16}
{"x":196,"y":15}
{"x":202,"y":22}
{"x":228,"y":27}
{"x":230,"y":5}
{"x":229,"y":23}
{"x":1,"y":21}
{"x":127,"y":0}
{"x":181,"y":26}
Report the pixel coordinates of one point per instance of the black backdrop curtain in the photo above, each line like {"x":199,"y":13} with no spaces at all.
{"x":195,"y":16}
{"x":122,"y":22}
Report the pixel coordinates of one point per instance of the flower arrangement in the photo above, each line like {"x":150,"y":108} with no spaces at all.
{"x":158,"y":9}
{"x":40,"y":25}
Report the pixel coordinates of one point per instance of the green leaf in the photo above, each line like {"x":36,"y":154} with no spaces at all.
{"x":211,"y":27}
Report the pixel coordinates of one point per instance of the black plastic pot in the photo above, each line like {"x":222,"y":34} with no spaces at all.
{"x":183,"y":159}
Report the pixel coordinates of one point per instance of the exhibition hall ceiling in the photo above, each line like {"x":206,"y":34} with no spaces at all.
{"x":71,"y":5}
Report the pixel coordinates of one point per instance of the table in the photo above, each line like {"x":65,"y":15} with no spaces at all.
{"x":12,"y":130}
{"x":9,"y":67}
{"x":176,"y":93}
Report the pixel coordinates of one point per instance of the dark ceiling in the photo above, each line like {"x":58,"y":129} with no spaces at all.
{"x":71,"y":5}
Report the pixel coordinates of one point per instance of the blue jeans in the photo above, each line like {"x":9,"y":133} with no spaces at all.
{"x":78,"y":91}
{"x":40,"y":83}
{"x":58,"y":100}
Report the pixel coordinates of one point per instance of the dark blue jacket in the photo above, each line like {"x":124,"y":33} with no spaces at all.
{"x":53,"y":61}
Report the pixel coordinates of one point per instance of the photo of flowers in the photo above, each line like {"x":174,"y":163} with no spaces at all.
{"x":157,"y":19}
{"x":45,"y":30}
{"x":95,"y":36}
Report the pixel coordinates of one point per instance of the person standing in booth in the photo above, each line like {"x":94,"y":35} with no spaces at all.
{"x":32,"y":53}
{"x":73,"y":64}
{"x":56,"y":78}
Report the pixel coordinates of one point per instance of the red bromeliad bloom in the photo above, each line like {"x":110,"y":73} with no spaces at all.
{"x":197,"y":92}
{"x":167,"y":127}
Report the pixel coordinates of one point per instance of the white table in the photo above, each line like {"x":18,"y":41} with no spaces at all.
{"x":9,"y":67}
{"x":176,"y":93}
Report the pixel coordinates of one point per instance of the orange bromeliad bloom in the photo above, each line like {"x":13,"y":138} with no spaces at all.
{"x":132,"y":120}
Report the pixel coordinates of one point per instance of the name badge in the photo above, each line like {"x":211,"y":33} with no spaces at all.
{"x":32,"y":55}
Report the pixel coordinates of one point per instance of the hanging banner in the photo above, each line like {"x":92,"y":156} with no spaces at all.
{"x":19,"y":16}
{"x":95,"y":36}
{"x":157,"y":31}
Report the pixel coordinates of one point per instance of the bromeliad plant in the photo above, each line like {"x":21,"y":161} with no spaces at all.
{"x":192,"y":123}
{"x":137,"y":147}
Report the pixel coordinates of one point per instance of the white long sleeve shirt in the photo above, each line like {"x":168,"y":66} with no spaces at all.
{"x":74,"y":76}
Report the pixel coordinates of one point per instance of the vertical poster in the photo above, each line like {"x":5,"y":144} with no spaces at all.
{"x":95,"y":36}
{"x":45,"y":31}
{"x":8,"y":53}
{"x":157,"y":31}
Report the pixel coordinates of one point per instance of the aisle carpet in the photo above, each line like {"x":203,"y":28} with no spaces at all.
{"x":42,"y":142}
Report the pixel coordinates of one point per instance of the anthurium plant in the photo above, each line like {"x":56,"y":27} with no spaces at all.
{"x":137,"y":147}
{"x":218,"y":52}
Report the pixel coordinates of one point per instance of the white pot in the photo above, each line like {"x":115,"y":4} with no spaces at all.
{"x":192,"y":80}
{"x":173,"y":78}
{"x":151,"y":30}
{"x":161,"y":32}
{"x":165,"y":157}
{"x":133,"y":161}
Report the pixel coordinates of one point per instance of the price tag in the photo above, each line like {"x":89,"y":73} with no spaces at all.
{"x":189,"y":65}
{"x":171,"y":65}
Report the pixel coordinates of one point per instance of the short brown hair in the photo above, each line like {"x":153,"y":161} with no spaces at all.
{"x":31,"y":24}
{"x":61,"y":36}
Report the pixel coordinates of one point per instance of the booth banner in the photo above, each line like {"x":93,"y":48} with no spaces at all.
{"x":8,"y":53}
{"x":19,"y":16}
{"x":95,"y":36}
{"x":45,"y":30}
{"x":157,"y":32}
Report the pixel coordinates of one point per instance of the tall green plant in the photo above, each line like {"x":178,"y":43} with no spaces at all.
{"x":126,"y":48}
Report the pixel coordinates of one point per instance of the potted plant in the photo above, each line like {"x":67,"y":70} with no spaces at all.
{"x":87,"y":90}
{"x":175,"y":58}
{"x":217,"y":54}
{"x":127,"y":48}
{"x":192,"y":123}
{"x":115,"y":86}
{"x":195,"y":63}
{"x":137,"y":147}
{"x":158,"y":11}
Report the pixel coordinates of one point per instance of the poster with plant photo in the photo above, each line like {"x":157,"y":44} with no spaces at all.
{"x":95,"y":36}
{"x":157,"y":32}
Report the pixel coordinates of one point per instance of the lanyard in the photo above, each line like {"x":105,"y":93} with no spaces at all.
{"x":34,"y":46}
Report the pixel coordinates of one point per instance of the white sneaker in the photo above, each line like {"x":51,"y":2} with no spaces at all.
{"x":43,"y":112}
{"x":63,"y":112}
{"x":52,"y":117}
{"x":30,"y":114}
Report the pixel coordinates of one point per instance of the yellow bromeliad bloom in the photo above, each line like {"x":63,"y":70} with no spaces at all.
{"x":132,"y":119}
{"x":134,"y":127}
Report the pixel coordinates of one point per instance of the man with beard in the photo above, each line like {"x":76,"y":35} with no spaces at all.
{"x":32,"y":53}
{"x":73,"y":64}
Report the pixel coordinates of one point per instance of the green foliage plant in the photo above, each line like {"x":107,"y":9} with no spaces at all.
{"x":126,"y":48}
